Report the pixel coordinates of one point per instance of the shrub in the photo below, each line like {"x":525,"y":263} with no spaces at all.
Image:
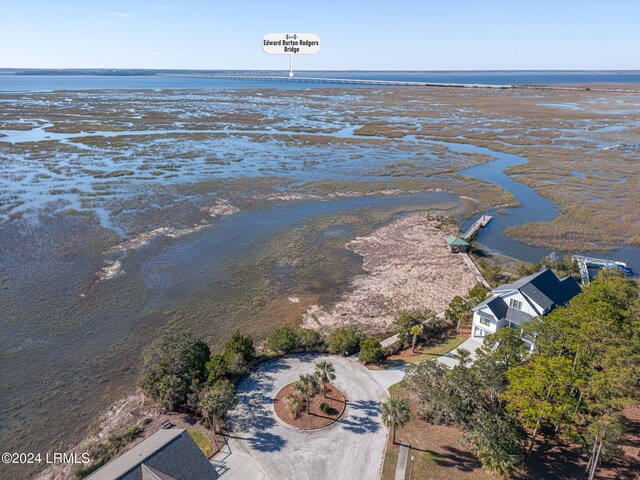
{"x":344,"y":341}
{"x":294,"y":404}
{"x":308,"y":339}
{"x":171,"y":366}
{"x":283,"y":340}
{"x":371,"y":351}
{"x":289,"y":339}
{"x":436,"y":327}
{"x":238,"y":352}
{"x":324,"y":407}
{"x":217,"y":368}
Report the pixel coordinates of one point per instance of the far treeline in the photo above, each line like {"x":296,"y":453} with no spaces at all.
{"x":583,"y":371}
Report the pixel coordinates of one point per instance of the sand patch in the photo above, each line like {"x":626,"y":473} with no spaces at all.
{"x":409,"y":267}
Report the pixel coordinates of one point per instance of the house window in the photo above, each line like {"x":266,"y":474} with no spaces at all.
{"x":485,"y":321}
{"x":513,"y":303}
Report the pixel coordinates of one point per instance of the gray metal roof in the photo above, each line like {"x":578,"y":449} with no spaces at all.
{"x":167,"y":454}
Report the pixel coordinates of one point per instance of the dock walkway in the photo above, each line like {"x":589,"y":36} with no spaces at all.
{"x":480,"y":223}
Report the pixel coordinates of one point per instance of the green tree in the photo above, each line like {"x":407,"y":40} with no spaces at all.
{"x":499,"y":353}
{"x":406,"y":321}
{"x":457,"y":312}
{"x":172,"y":366}
{"x":239,"y":345}
{"x":395,"y":414}
{"x":307,"y":386}
{"x":217,"y":368}
{"x":476,"y":295}
{"x":283,"y":340}
{"x":216,"y":401}
{"x":371,"y":351}
{"x":604,"y":434}
{"x":497,"y":439}
{"x":307,"y":339}
{"x":540,"y":393}
{"x":429,"y":382}
{"x":325,"y":372}
{"x":289,"y":339}
{"x":344,"y":341}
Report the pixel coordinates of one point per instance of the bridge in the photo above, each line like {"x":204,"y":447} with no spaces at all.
{"x":585,"y":262}
{"x":343,"y":81}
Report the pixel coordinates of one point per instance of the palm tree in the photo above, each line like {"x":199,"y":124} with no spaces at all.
{"x":395,"y":414}
{"x":215,"y":403}
{"x":325,"y":373}
{"x":463,"y":356}
{"x":294,"y":403}
{"x":415,"y":331}
{"x":307,"y":386}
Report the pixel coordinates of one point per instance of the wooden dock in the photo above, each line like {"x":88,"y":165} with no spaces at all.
{"x":480,"y":223}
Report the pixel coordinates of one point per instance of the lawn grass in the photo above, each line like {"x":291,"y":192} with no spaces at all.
{"x":390,"y":461}
{"x":202,"y":441}
{"x":437,"y":350}
{"x":429,"y":353}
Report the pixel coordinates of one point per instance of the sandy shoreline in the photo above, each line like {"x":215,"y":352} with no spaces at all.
{"x":409,"y":268}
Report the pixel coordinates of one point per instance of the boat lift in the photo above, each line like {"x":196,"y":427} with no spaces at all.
{"x":585,"y":262}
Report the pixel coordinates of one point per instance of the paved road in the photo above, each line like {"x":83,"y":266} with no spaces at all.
{"x":352,"y":448}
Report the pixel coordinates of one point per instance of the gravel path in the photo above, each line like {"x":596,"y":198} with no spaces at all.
{"x":352,"y":448}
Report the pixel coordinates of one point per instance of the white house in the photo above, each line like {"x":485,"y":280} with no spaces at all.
{"x":514,"y":304}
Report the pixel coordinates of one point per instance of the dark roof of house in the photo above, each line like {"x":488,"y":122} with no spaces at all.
{"x":517,"y":316}
{"x":166,"y":455}
{"x":496,"y":305}
{"x":149,"y":473}
{"x":502,"y":311}
{"x":544,"y":288}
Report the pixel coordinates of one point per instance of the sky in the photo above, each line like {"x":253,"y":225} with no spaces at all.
{"x":354,"y":34}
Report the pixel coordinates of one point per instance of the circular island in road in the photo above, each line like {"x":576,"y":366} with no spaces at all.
{"x":324,"y":408}
{"x":353,"y":447}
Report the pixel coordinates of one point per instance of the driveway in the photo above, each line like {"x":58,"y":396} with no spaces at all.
{"x":471,"y":344}
{"x":352,"y":448}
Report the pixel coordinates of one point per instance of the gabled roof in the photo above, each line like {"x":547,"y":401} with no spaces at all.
{"x":543,"y":288}
{"x":457,"y":241}
{"x":502,"y":311}
{"x":167,"y":454}
{"x":496,"y":305}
